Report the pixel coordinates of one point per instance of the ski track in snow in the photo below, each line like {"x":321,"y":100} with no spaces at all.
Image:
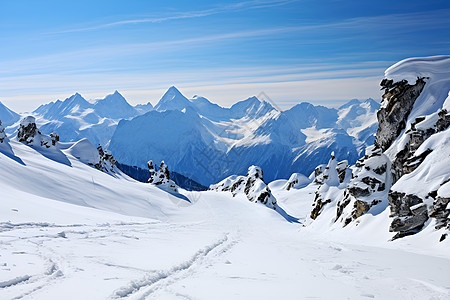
{"x":142,"y":288}
{"x":40,"y":241}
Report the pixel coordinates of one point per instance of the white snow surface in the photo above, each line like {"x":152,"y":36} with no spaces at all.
{"x":69,"y":231}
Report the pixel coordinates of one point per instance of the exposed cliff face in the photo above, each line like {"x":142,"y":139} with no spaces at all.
{"x":420,"y":154}
{"x":398,"y":98}
{"x":408,"y":168}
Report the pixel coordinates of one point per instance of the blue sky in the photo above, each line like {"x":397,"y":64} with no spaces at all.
{"x":324,"y":52}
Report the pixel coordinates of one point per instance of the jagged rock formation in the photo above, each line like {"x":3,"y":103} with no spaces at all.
{"x":398,"y":98}
{"x":106,"y":160}
{"x":407,"y":170}
{"x":368,"y":187}
{"x":252,"y":185}
{"x":2,"y":133}
{"x":410,"y":211}
{"x":161,"y":177}
{"x":29,"y":134}
{"x":328,"y":178}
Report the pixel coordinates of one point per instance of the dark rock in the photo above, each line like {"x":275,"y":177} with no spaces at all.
{"x":380,"y":170}
{"x":440,"y":212}
{"x":400,"y":97}
{"x":319,"y":203}
{"x":54,"y":137}
{"x":2,"y":133}
{"x":27,"y":130}
{"x":106,"y":162}
{"x":358,"y":191}
{"x":406,"y":224}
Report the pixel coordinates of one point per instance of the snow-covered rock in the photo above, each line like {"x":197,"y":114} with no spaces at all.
{"x":408,"y":169}
{"x":367,"y":190}
{"x":86,"y":152}
{"x":331,"y":179}
{"x":296,"y":181}
{"x":161,"y":177}
{"x":107,"y":163}
{"x":420,"y":153}
{"x":29,"y":134}
{"x":252,"y":185}
{"x":3,"y":137}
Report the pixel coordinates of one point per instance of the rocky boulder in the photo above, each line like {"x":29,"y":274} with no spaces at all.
{"x":161,"y":177}
{"x":329,"y":178}
{"x":29,"y":134}
{"x":252,"y":185}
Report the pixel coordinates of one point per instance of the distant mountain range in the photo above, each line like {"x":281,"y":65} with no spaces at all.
{"x":206,"y":142}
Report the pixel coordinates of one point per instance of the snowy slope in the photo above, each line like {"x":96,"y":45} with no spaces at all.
{"x":7,"y":116}
{"x":70,"y":231}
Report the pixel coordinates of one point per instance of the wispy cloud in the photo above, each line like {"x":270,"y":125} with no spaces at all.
{"x":390,"y":23}
{"x":246,"y":5}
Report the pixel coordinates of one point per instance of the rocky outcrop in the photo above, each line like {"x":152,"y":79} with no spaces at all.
{"x":407,"y":170}
{"x":328,"y":177}
{"x":368,"y":187}
{"x":2,"y":133}
{"x":252,"y":185}
{"x":441,"y":212}
{"x":54,"y":137}
{"x":27,"y":130}
{"x":398,"y":98}
{"x":407,"y":217}
{"x":406,"y":160}
{"x":29,"y":134}
{"x":106,"y":160}
{"x":161,"y":177}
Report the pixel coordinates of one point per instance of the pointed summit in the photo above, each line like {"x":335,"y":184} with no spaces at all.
{"x":115,"y":106}
{"x":172,"y":100}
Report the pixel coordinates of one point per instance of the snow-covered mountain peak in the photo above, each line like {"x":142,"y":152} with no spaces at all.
{"x":115,"y":106}
{"x":172,"y":100}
